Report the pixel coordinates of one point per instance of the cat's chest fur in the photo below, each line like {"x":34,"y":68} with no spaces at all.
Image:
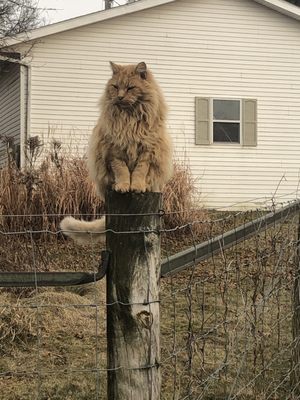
{"x":127,"y":140}
{"x":127,"y":146}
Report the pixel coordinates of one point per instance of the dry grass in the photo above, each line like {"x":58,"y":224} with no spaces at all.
{"x":41,"y":346}
{"x":222,"y":312}
{"x":43,"y":192}
{"x":181,"y":200}
{"x":45,"y":344}
{"x":57,"y":186}
{"x":223,"y":323}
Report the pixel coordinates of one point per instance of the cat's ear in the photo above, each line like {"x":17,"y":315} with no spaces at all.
{"x":141,"y":69}
{"x":115,"y":68}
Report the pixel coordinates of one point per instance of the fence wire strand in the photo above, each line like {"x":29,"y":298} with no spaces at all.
{"x":226,"y":322}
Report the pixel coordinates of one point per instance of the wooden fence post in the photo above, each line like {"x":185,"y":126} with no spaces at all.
{"x":295,"y":375}
{"x":133,"y":296}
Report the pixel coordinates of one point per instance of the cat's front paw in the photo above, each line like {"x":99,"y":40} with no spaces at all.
{"x":138,"y":186}
{"x":122,"y":187}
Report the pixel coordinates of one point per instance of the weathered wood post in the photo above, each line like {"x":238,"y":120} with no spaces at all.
{"x":133,"y":296}
{"x":295,"y":375}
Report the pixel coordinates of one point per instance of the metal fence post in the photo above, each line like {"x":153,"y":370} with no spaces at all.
{"x":133,"y":275}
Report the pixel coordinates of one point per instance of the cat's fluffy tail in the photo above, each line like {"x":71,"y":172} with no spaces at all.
{"x":84,"y":232}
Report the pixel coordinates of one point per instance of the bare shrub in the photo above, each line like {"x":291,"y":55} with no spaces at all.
{"x":38,"y":196}
{"x":181,"y":201}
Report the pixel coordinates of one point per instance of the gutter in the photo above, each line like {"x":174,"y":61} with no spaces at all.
{"x":25,"y":83}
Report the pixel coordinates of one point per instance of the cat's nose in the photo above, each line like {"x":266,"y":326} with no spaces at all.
{"x":121,"y":94}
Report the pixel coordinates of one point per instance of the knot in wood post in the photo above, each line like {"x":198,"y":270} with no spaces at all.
{"x":133,"y":240}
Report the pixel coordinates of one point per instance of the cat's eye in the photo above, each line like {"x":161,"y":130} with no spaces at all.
{"x":130,"y":88}
{"x":115,"y":86}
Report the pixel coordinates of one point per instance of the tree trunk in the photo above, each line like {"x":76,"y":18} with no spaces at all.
{"x":133,"y":296}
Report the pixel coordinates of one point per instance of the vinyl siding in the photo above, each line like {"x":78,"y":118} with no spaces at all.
{"x":9,"y":107}
{"x":207,"y":48}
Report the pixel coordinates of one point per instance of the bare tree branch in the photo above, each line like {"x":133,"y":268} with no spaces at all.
{"x":18,"y":16}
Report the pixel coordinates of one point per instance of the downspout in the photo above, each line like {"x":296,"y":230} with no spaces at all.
{"x":25,"y":83}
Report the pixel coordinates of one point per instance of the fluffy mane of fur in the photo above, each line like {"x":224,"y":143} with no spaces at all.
{"x":127,"y":133}
{"x":129,"y":149}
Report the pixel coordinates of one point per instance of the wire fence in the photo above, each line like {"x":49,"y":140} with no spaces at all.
{"x":226,"y":321}
{"x":230,"y":331}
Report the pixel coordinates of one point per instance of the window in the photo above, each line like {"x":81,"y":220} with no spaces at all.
{"x":225,"y":121}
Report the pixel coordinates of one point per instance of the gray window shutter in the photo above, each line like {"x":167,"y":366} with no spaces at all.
{"x":202,"y":120}
{"x":249,"y":122}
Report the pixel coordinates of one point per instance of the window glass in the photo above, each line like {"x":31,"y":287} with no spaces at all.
{"x":226,"y":132}
{"x":223,"y":111}
{"x":228,"y":110}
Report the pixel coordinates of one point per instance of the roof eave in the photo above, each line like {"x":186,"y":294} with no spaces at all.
{"x":83,"y":20}
{"x":282,"y":7}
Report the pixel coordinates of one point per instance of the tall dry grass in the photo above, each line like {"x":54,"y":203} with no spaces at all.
{"x":181,"y":199}
{"x":38,"y":196}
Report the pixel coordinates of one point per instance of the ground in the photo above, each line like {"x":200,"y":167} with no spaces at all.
{"x":226,"y":324}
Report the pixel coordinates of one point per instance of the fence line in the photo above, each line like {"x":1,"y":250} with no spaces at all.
{"x":226,"y":325}
{"x":201,"y":252}
{"x":171,"y":265}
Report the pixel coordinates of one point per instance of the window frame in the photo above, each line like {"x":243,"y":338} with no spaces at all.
{"x":248,"y":121}
{"x":212,"y":120}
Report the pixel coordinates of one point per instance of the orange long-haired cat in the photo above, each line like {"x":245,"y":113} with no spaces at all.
{"x":130,"y":148}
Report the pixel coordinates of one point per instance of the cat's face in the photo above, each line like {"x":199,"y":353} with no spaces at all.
{"x":128,"y":85}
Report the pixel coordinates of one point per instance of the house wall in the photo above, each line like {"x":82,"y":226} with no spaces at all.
{"x":207,"y":48}
{"x":9,"y":107}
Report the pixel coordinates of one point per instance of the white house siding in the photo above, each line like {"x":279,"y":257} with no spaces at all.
{"x":9,"y":107}
{"x":206,"y":48}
